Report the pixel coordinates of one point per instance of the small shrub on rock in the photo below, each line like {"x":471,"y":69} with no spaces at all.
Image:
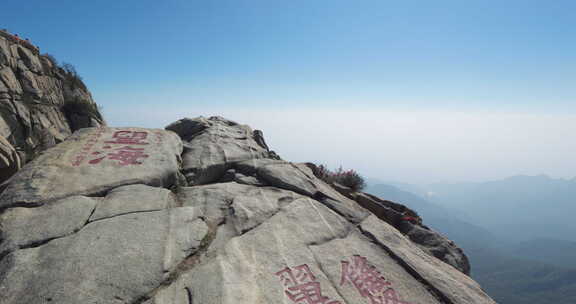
{"x":349,"y":178}
{"x":52,"y":59}
{"x":72,"y":78}
{"x":81,"y":107}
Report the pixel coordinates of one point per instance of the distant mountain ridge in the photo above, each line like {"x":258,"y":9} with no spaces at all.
{"x":539,"y":206}
{"x":512,"y":271}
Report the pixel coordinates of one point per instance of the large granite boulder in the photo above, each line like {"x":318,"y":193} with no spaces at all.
{"x":244,"y":227}
{"x":95,"y":160}
{"x":213,"y":144}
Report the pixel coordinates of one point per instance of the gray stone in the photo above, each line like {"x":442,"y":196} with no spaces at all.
{"x":445,"y":279}
{"x":427,"y":239}
{"x":213,"y":146}
{"x":4,"y":89}
{"x":332,"y":257}
{"x":32,"y":94}
{"x":119,"y":259}
{"x":437,"y":245}
{"x":259,"y":138}
{"x":187,"y":128}
{"x":24,"y":227}
{"x":4,"y":50}
{"x":133,"y":198}
{"x":211,"y":200}
{"x":250,"y":205}
{"x":9,"y":160}
{"x":243,"y":270}
{"x":283,"y":175}
{"x":7,"y":76}
{"x":31,"y":60}
{"x":248,"y":180}
{"x":95,"y":160}
{"x":299,"y":178}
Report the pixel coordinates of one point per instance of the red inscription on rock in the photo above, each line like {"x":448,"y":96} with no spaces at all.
{"x":369,"y":282}
{"x":124,"y":155}
{"x":92,"y":140}
{"x":301,"y":286}
{"x":128,"y":138}
{"x":159,"y":137}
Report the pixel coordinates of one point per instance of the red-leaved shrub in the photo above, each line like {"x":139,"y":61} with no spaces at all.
{"x":349,"y":178}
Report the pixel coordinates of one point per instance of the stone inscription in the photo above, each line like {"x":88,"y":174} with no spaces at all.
{"x":92,"y":140}
{"x":301,"y":286}
{"x":158,"y":137}
{"x":368,"y":281}
{"x":124,"y":148}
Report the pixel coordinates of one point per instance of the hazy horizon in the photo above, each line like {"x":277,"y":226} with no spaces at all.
{"x":418,"y":95}
{"x":416,"y":147}
{"x":414,"y":91}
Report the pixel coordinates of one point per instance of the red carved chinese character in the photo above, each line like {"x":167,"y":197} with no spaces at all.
{"x":128,"y":138}
{"x":363,"y":276}
{"x":302,"y":286}
{"x":304,"y":274}
{"x":286,"y":277}
{"x":368,"y":281}
{"x":309,"y":292}
{"x":126,"y":155}
{"x":389,"y":297}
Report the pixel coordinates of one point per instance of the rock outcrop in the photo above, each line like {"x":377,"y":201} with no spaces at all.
{"x":205,"y":213}
{"x":41,"y":104}
{"x":410,"y":224}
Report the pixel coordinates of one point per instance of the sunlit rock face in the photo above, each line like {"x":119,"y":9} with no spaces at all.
{"x":94,"y":161}
{"x":204,"y":213}
{"x":35,"y":98}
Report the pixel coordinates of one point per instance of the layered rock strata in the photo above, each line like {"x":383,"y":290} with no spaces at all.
{"x":41,"y":104}
{"x":116,"y":215}
{"x":410,"y":224}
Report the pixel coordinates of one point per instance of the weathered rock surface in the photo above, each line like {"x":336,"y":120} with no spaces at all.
{"x":436,"y":245}
{"x":133,"y":198}
{"x":212,"y":145}
{"x":95,"y":160}
{"x":410,"y":224}
{"x":26,"y":227}
{"x":246,"y":228}
{"x":108,"y":261}
{"x":9,"y":160}
{"x":33,"y":95}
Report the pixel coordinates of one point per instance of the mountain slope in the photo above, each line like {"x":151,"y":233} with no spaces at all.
{"x":555,"y":252}
{"x":512,"y":280}
{"x":204,"y":213}
{"x":536,"y":271}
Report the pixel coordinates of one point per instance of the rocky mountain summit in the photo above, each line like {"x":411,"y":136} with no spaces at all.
{"x":203,"y":212}
{"x":41,"y":103}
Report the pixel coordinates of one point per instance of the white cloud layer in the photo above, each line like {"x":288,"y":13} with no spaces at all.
{"x":409,"y":146}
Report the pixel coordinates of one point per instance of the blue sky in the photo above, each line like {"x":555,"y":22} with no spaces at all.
{"x":151,"y":62}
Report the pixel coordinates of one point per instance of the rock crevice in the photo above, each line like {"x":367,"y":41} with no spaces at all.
{"x":433,"y":290}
